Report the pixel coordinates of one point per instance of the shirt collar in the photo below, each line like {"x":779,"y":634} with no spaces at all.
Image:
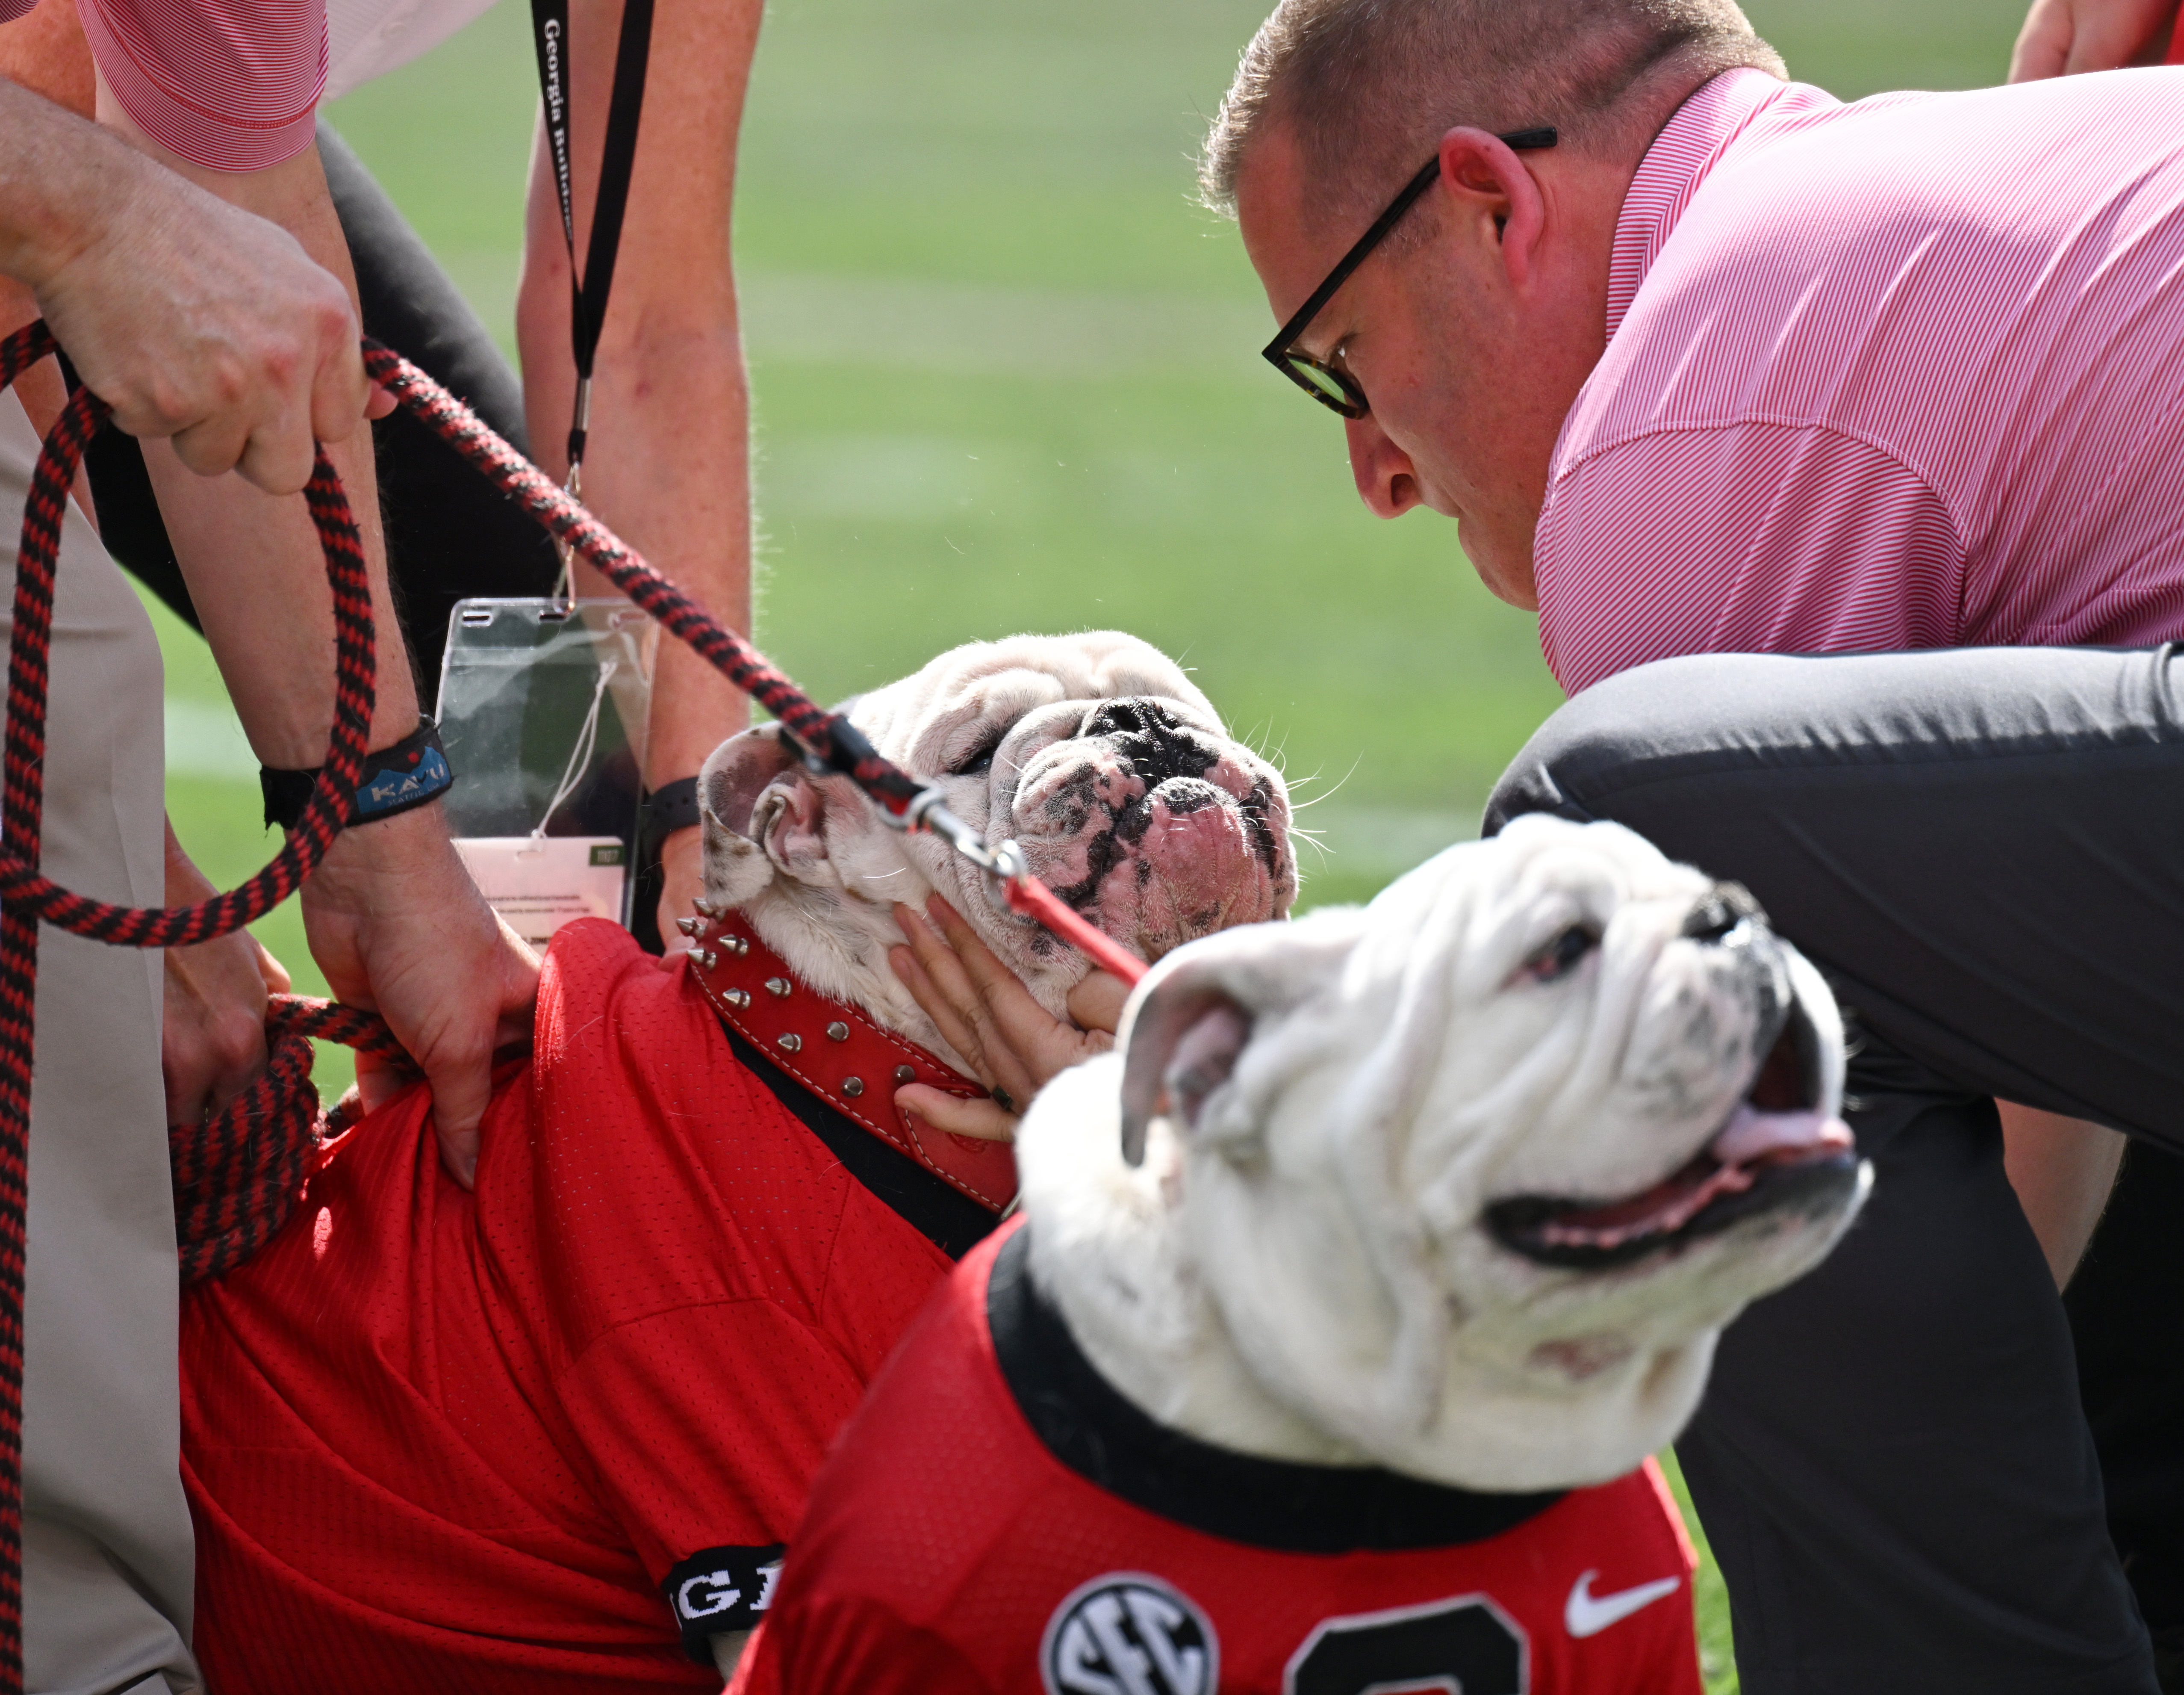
{"x":1682,"y":157}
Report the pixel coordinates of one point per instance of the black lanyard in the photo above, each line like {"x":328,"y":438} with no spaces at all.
{"x":588,"y":293}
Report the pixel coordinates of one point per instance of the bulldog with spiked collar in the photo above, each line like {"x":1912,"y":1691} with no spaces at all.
{"x":555,"y":1432}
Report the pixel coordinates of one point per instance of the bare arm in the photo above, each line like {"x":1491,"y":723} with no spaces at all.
{"x":2062,"y":1169}
{"x":668,"y":463}
{"x":2062,"y":37}
{"x":392,"y":919}
{"x":198,"y":323}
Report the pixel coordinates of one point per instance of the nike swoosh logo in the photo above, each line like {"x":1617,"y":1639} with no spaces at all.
{"x":1587,"y":1614}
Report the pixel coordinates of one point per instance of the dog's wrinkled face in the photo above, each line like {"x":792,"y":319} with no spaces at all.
{"x":1475,"y":1176}
{"x":1094,"y":751}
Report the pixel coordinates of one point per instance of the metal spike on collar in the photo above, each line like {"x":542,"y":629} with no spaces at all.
{"x":692,"y":928}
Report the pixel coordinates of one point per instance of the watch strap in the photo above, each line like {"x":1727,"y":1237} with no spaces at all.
{"x":412,"y":773}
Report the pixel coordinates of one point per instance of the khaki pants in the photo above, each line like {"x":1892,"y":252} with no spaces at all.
{"x":108,"y":1555}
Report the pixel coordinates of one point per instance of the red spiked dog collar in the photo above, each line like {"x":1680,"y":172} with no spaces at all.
{"x":843,"y":1055}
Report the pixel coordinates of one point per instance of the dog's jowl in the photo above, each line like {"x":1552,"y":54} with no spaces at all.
{"x":1348,"y":1299}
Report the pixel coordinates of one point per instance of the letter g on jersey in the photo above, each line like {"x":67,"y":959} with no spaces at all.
{"x":1129,"y":1633}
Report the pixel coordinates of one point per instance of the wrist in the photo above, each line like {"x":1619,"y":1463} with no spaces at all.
{"x":410,"y":774}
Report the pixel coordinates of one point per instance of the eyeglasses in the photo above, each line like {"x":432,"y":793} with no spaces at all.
{"x":1337,"y":389}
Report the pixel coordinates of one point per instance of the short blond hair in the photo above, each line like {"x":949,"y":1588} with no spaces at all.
{"x":1369,"y":86}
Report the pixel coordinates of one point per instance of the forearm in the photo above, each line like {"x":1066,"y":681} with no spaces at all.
{"x":61,"y":182}
{"x":253,"y":560}
{"x":668,"y":464}
{"x":2063,"y":1170}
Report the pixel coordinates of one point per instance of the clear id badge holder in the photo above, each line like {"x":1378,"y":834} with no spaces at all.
{"x":542,"y":713}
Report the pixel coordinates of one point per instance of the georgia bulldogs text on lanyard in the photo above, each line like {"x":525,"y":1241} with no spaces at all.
{"x":588,"y":290}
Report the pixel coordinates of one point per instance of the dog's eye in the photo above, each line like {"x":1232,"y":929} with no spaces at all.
{"x":980,"y":760}
{"x":1559,"y":957}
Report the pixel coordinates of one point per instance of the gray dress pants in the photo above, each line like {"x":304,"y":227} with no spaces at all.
{"x":108,"y":1557}
{"x":1984,"y":850}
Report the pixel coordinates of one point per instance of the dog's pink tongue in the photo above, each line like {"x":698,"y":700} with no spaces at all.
{"x":1753,"y":1134}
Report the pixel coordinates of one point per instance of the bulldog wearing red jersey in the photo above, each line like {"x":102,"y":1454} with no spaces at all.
{"x":553,"y":1434}
{"x":1348,"y":1301}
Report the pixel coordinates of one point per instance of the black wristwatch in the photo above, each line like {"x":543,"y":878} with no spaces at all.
{"x":670,"y":807}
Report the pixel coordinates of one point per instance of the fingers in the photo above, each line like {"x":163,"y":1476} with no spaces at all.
{"x":681,"y":880}
{"x":2043,"y":46}
{"x":982,"y":1000}
{"x":938,"y":1004}
{"x":984,"y":1119}
{"x":208,"y":1056}
{"x":1097,"y":1002}
{"x":341,"y":393}
{"x":271,"y":971}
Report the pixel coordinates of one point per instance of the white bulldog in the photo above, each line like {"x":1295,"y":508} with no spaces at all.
{"x":1465,"y":1183}
{"x":1094,"y":751}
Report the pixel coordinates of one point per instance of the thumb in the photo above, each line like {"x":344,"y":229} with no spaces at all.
{"x":461,"y":1078}
{"x":983,"y":1119}
{"x":1096,"y":1002}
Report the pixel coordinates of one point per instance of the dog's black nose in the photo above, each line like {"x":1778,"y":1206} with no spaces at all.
{"x":1133,"y":716}
{"x":1724,"y":908}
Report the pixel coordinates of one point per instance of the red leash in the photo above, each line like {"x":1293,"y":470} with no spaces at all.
{"x":830,"y":741}
{"x":236,"y":1176}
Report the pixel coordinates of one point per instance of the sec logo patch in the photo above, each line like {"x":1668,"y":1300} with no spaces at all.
{"x":1129,"y":1633}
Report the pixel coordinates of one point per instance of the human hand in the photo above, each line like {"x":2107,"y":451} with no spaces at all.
{"x":396,"y":923}
{"x":199,"y":321}
{"x":2062,"y":37}
{"x":681,"y":880}
{"x":212,"y":1037}
{"x":1013,"y":1045}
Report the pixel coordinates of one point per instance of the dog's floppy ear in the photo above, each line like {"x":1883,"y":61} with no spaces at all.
{"x":1193,"y":1017}
{"x":734,"y":776}
{"x":1183,"y":1041}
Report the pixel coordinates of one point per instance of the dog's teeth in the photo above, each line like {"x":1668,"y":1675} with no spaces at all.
{"x":737,"y":998}
{"x":691,"y":927}
{"x":789,"y":1043}
{"x":778,"y":986}
{"x":837,"y":1031}
{"x":853,"y":1086}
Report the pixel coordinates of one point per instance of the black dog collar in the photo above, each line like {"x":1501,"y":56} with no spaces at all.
{"x":394,"y":780}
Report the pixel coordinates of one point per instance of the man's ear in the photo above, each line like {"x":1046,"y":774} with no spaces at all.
{"x":1483,"y":178}
{"x":1195,"y":1014}
{"x":740,"y":770}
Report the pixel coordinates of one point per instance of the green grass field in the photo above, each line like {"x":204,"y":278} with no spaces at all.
{"x":1005,"y":378}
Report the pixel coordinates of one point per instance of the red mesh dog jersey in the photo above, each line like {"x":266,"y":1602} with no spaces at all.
{"x":436,"y":1440}
{"x":957,"y":1542}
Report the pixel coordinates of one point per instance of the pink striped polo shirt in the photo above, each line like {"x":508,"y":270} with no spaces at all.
{"x":1907,"y":373}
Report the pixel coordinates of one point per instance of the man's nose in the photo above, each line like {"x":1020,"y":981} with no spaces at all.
{"x":1387,"y":483}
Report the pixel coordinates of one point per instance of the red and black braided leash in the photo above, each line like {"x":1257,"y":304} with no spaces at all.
{"x":236,"y":1176}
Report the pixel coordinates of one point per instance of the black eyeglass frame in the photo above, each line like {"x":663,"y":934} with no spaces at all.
{"x":1286,"y":359}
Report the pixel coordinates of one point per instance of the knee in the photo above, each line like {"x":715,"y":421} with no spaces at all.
{"x":1625,"y":730}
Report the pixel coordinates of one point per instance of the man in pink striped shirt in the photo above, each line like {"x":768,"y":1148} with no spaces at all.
{"x":1706,"y":363}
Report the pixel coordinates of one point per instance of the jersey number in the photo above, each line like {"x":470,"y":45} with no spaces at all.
{"x":1464,"y":1647}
